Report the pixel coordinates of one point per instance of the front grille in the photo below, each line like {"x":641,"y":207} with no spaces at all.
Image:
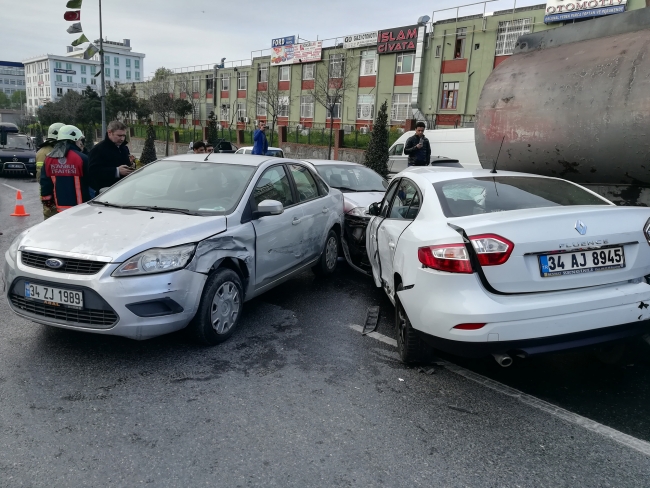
{"x":94,"y":318}
{"x":73,"y":266}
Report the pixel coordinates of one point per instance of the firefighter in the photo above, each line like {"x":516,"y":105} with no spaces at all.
{"x":43,"y":150}
{"x":63,"y":178}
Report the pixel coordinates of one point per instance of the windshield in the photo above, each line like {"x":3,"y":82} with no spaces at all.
{"x":16,"y":141}
{"x":472,"y":196}
{"x":201,"y":188}
{"x":352,"y":177}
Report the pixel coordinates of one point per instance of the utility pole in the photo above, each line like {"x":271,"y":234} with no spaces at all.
{"x":103,"y":67}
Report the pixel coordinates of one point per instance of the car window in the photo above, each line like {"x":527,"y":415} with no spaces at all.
{"x":276,"y":153}
{"x":273,"y":185}
{"x":352,"y":178}
{"x":472,"y":196}
{"x":406,"y":204}
{"x":239,"y":151}
{"x":305,"y":183}
{"x":397,"y":150}
{"x":248,"y":151}
{"x":387,"y":198}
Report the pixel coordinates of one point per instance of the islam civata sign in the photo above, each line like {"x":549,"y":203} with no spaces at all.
{"x":360,"y":40}
{"x":307,"y":52}
{"x":562,"y":10}
{"x":399,"y":39}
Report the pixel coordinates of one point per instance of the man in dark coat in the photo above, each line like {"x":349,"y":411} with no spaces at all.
{"x":110,"y":160}
{"x":417,"y":147}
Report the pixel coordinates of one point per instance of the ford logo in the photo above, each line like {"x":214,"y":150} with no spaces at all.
{"x":54,"y":263}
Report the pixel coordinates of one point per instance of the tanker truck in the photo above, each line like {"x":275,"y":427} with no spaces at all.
{"x":574,"y":102}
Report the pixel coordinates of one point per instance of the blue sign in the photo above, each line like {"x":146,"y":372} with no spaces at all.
{"x":581,"y":14}
{"x":283,"y":41}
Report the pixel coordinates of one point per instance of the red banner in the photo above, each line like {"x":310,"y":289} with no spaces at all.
{"x":72,"y":15}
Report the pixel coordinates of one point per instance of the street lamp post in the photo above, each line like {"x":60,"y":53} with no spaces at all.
{"x":103,"y":67}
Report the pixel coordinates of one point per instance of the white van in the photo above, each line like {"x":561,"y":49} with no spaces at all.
{"x":445,"y":143}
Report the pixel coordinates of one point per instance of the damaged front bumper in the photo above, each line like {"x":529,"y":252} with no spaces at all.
{"x":353,"y":242}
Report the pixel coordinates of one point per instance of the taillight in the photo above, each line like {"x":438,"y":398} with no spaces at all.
{"x":452,"y":258}
{"x":491,"y":249}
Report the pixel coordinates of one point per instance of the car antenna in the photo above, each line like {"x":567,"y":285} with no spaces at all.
{"x":494,"y":168}
{"x":206,"y":158}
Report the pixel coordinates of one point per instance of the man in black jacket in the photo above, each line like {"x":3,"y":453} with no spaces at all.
{"x":110,"y":160}
{"x":417,"y":147}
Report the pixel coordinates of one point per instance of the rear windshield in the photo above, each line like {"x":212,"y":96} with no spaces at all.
{"x":472,"y":196}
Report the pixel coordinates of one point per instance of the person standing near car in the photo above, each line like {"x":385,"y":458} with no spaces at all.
{"x":110,"y":160}
{"x":43,"y":150}
{"x":65,"y":171}
{"x":417,"y":147}
{"x":260,"y":144}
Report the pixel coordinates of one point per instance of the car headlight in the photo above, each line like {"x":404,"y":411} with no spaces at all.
{"x":359,"y":212}
{"x":13,"y":248}
{"x":156,"y":260}
{"x":32,"y":160}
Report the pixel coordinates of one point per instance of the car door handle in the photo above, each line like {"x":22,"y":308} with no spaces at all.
{"x":296,"y":221}
{"x":325,"y":209}
{"x":391,"y":245}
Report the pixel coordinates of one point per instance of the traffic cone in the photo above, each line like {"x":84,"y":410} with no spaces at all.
{"x":19,"y":211}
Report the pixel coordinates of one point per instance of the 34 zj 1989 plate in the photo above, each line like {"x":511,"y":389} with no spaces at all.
{"x":573,"y":263}
{"x":54,"y":296}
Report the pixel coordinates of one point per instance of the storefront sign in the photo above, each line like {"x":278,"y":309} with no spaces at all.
{"x":396,"y":40}
{"x":561,"y":10}
{"x":283,"y":41}
{"x":65,"y":71}
{"x":360,"y":40}
{"x":307,"y":52}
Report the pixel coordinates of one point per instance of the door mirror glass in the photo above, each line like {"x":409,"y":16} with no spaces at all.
{"x":375,"y":209}
{"x":268,"y":207}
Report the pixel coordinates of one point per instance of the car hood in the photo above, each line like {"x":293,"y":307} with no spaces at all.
{"x":361,"y":199}
{"x":118,"y":233}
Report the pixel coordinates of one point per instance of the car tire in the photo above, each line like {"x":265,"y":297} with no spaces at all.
{"x":410,"y":347}
{"x":327,"y":262}
{"x":220,"y":308}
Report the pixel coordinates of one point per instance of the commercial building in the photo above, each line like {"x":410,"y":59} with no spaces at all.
{"x":12,"y":77}
{"x":49,"y":76}
{"x":432,"y":71}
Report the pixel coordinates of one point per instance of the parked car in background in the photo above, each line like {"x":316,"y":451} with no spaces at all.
{"x":17,"y":152}
{"x":508,"y":264}
{"x":361,"y":187}
{"x":448,"y":144}
{"x":182,"y":241}
{"x":272,"y":151}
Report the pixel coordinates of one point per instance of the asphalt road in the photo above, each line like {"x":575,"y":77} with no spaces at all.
{"x":298,"y":398}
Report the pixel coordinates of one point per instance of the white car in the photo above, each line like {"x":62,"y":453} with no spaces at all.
{"x":479,"y":263}
{"x":272,"y":151}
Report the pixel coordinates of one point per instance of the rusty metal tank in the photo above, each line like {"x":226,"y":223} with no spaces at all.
{"x":574,"y":102}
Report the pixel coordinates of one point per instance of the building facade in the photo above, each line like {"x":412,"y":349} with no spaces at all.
{"x":12,"y":77}
{"x":50,"y":76}
{"x":433,"y":73}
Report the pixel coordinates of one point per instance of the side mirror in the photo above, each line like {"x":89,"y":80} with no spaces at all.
{"x":374,"y":209}
{"x":102,"y":190}
{"x":268,"y":207}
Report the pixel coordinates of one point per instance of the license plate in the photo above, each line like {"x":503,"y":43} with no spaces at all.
{"x":54,"y":296}
{"x":573,"y":263}
{"x":15,"y":166}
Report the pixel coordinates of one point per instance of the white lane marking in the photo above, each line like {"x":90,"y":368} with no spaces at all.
{"x":613,"y":434}
{"x":13,"y":188}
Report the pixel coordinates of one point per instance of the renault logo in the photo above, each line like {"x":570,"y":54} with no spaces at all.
{"x":581,"y":228}
{"x":54,"y":263}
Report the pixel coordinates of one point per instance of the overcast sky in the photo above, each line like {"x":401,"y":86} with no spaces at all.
{"x":178,"y":33}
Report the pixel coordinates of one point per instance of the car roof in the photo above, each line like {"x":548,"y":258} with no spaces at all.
{"x":436,"y":174}
{"x":270,"y":148}
{"x":321,"y":162}
{"x":223,"y":158}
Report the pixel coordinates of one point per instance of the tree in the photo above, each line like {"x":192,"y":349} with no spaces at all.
{"x":143,"y":110}
{"x":129,"y":102}
{"x":162,"y":74}
{"x":49,"y":113}
{"x":377,"y":152}
{"x":69,"y":107}
{"x":271,"y":103}
{"x":4,"y":100}
{"x":182,"y":108}
{"x":90,"y":110}
{"x":190,"y":90}
{"x":39,"y":134}
{"x":18,"y":98}
{"x":149,"y":150}
{"x":114,"y":103}
{"x":159,"y":94}
{"x":330,"y":85}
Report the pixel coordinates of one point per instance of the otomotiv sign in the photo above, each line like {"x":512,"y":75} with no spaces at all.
{"x":396,"y":40}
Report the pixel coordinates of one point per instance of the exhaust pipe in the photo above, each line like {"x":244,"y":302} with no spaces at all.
{"x":504,"y":360}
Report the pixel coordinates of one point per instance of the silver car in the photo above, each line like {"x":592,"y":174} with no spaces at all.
{"x":184,"y":240}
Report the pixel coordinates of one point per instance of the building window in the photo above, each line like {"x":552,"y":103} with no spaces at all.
{"x":196,"y":85}
{"x":401,"y":107}
{"x":241,"y":111}
{"x":308,"y":71}
{"x":136,"y":63}
{"x":508,"y":33}
{"x":128,"y":62}
{"x":93,"y":81}
{"x":262,"y":102}
{"x":69,"y":79}
{"x":84,"y":81}
{"x":438,"y":51}
{"x":83,"y":69}
{"x":263,"y":73}
{"x":128,"y":75}
{"x":405,"y":63}
{"x":57,"y":65}
{"x":108,"y":72}
{"x":366,"y":107}
{"x":93,"y":70}
{"x":225,"y":81}
{"x":59,"y":92}
{"x":306,"y":107}
{"x":449,"y":95}
{"x":241,"y":80}
{"x":336,"y":66}
{"x":116,"y":61}
{"x":285,"y":73}
{"x":107,"y":60}
{"x":137,"y":75}
{"x":461,"y":37}
{"x":283,"y":106}
{"x":336,"y":108}
{"x":13,"y":82}
{"x":368,"y":63}
{"x":116,"y":73}
{"x":58,"y":78}
{"x":225,"y":112}
{"x":209,"y":84}
{"x":68,"y":66}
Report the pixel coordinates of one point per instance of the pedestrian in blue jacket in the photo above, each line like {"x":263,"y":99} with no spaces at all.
{"x":260,"y":144}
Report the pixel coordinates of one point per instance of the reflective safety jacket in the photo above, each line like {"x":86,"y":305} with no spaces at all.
{"x":43,"y":150}
{"x":63,"y":177}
